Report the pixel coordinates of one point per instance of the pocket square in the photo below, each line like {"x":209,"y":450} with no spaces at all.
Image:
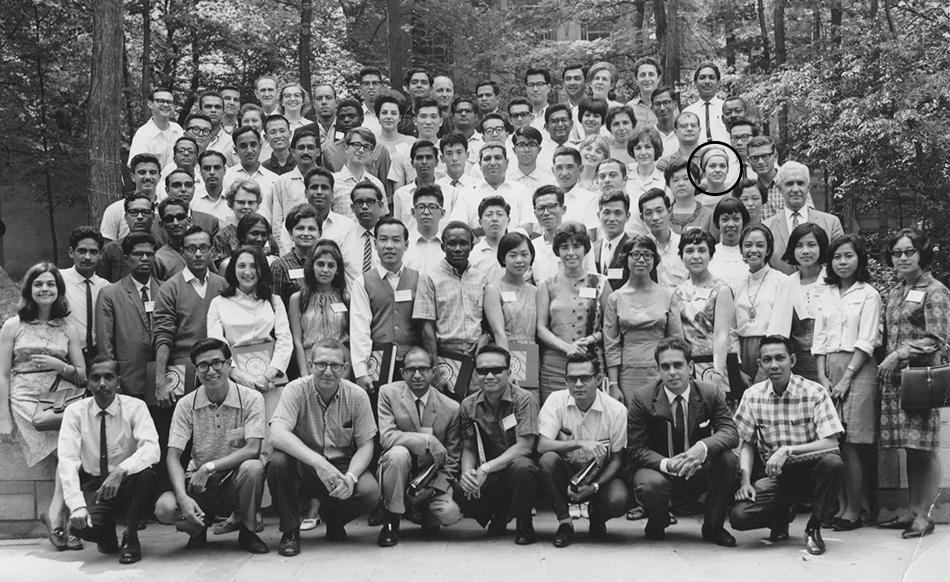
{"x":704,"y":424}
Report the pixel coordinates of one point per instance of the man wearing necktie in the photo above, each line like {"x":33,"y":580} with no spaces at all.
{"x":107,"y":445}
{"x":368,"y":205}
{"x":709,"y":107}
{"x":83,"y":285}
{"x":680,"y":440}
{"x":418,"y":429}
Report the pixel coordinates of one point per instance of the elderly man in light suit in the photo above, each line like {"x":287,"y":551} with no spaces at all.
{"x":418,"y":428}
{"x":793,"y":179}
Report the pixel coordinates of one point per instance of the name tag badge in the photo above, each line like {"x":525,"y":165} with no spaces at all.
{"x":115,"y":450}
{"x":588,"y":293}
{"x":338,"y":307}
{"x":615,"y":274}
{"x":509,"y":422}
{"x":509,"y":296}
{"x":425,"y":429}
{"x":296,"y":273}
{"x":403,"y":295}
{"x":915,"y":296}
{"x":149,"y":306}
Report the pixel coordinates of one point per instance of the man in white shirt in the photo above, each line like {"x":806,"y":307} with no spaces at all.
{"x":184,"y":157}
{"x":425,"y":251}
{"x":687,"y":136}
{"x":457,"y":183}
{"x":231,"y":96}
{"x":548,"y":203}
{"x":709,"y":107}
{"x":537,"y":83}
{"x":613,"y":214}
{"x":581,"y":203}
{"x":558,"y":123}
{"x":145,"y":176}
{"x":424,"y":156}
{"x":212,"y":201}
{"x":464,"y":121}
{"x":493,"y":217}
{"x":265,"y":89}
{"x":247,"y":142}
{"x":83,"y":286}
{"x":371,"y":83}
{"x":493,"y":159}
{"x":488,"y":95}
{"x":655,"y":212}
{"x":289,"y":189}
{"x":527,"y":141}
{"x":664,"y":109}
{"x":107,"y":445}
{"x":324,"y":106}
{"x":333,"y":226}
{"x":359,"y":144}
{"x":158,"y":135}
{"x":368,"y":203}
{"x":212,"y":104}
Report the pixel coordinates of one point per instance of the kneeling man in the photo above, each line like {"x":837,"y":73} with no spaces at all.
{"x":225,"y":423}
{"x":680,"y":438}
{"x":419,"y":433}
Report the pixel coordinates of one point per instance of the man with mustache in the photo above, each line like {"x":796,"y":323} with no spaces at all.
{"x":83,"y":285}
{"x":145,"y":174}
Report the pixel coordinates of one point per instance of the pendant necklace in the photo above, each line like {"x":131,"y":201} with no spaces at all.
{"x":752,"y":300}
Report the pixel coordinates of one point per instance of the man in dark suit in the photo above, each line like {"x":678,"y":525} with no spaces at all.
{"x":613,"y":214}
{"x":793,"y":180}
{"x":680,"y":440}
{"x":418,"y":429}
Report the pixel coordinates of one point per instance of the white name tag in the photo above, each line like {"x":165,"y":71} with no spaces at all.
{"x":403,"y":295}
{"x":588,"y":293}
{"x":149,"y":306}
{"x":338,"y":307}
{"x":509,"y":422}
{"x":915,"y":296}
{"x":296,"y":273}
{"x":509,"y":296}
{"x":615,"y":274}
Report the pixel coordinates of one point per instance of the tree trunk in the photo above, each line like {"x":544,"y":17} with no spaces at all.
{"x":872,"y":9}
{"x":399,"y":43}
{"x":730,"y":49}
{"x":836,"y":15}
{"x":667,"y":38}
{"x":146,"y":49}
{"x":764,"y":32}
{"x":639,"y":17}
{"x":104,"y":118}
{"x":303,"y":47}
{"x":47,"y":160}
{"x":816,"y":30}
{"x":778,"y":22}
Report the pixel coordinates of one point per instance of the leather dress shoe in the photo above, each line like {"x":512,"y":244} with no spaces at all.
{"x":497,"y":527}
{"x":378,"y":517}
{"x":913,"y":531}
{"x":249,"y":541}
{"x":719,"y":536}
{"x":778,"y":534}
{"x":813,"y":541}
{"x":197,"y":540}
{"x":289,"y":543}
{"x":564,"y":535}
{"x":654,"y":531}
{"x":130,"y":552}
{"x":895,"y":523}
{"x":73,"y":542}
{"x":524,"y":532}
{"x":842,"y":524}
{"x":388,"y":534}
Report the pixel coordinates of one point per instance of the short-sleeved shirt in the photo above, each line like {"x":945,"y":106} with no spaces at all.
{"x":454,"y":302}
{"x":335,"y":429}
{"x":216,"y":430}
{"x":803,"y":414}
{"x":495,"y":426}
{"x":560,"y":419}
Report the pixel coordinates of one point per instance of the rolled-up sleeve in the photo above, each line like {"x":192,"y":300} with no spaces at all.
{"x":868,"y":331}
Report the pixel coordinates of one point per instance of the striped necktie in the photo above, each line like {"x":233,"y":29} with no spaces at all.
{"x":367,"y":252}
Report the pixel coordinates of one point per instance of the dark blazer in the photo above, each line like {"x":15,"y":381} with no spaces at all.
{"x":650,"y":414}
{"x":779,"y":227}
{"x":399,"y":424}
{"x":616,"y":262}
{"x":124,"y":333}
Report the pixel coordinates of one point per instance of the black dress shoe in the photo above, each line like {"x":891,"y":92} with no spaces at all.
{"x":719,"y":536}
{"x":524,"y":532}
{"x":197,"y":540}
{"x":388,"y":534}
{"x":813,"y":542}
{"x":654,"y":531}
{"x":913,"y":531}
{"x":778,"y":534}
{"x":597,"y":529}
{"x":109,"y":545}
{"x":842,"y":524}
{"x":378,"y":517}
{"x":335,"y":531}
{"x":130,"y":552}
{"x":497,"y":527}
{"x":564,"y":535}
{"x":289,"y":543}
{"x":73,"y":542}
{"x":249,"y":541}
{"x":895,"y":523}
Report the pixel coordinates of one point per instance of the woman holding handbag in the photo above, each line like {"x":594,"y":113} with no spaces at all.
{"x":917,"y":324}
{"x":38,"y":350}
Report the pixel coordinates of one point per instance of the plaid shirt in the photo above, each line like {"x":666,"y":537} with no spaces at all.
{"x":803,"y":414}
{"x":284,"y":285}
{"x":454,"y":303}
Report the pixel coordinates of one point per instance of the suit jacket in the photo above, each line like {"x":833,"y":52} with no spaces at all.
{"x":650,"y":416}
{"x":616,"y":262}
{"x":399,"y":424}
{"x":124,"y":332}
{"x":779,"y":227}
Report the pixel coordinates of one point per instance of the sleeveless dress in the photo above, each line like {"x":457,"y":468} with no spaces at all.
{"x":521,"y":315}
{"x":27,"y":381}
{"x":319,"y":321}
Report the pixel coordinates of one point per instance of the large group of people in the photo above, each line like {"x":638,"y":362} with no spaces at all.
{"x":427,"y":306}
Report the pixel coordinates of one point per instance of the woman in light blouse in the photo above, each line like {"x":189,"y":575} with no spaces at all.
{"x":807,"y":250}
{"x":594,"y":149}
{"x":637,"y":317}
{"x":645,"y":147}
{"x":846,"y":333}
{"x":295,"y":104}
{"x":917,"y":323}
{"x":620,"y":122}
{"x":715,"y":165}
{"x":730,"y":217}
{"x":511,"y":308}
{"x":763,"y":305}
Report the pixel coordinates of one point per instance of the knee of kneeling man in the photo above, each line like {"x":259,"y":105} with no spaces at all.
{"x":450,"y":514}
{"x":397,"y":454}
{"x":251,"y":467}
{"x":524,"y":463}
{"x":549,"y":460}
{"x":166,"y":507}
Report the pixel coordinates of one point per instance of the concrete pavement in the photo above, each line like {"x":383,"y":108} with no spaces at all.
{"x":463,"y":554}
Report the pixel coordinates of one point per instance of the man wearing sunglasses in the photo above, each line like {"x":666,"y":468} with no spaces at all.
{"x":322,"y":432}
{"x":181,"y":183}
{"x":499,"y":478}
{"x":419,"y":433}
{"x":225,"y":423}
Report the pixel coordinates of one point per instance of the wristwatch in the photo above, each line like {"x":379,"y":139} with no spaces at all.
{"x":209,"y":466}
{"x":596,"y":486}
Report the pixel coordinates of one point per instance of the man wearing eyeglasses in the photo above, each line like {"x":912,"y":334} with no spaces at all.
{"x":225,"y":423}
{"x":180,"y":183}
{"x":680,"y":442}
{"x":175,"y":221}
{"x":461,"y":118}
{"x":764,"y":162}
{"x":558,"y":124}
{"x":145,"y":176}
{"x":537,"y":86}
{"x":576,"y":426}
{"x":499,"y":478}
{"x":664,"y":109}
{"x":371,"y":84}
{"x":158,"y":135}
{"x":527,"y":172}
{"x":322,"y":432}
{"x":139,"y":216}
{"x":369,"y":205}
{"x":741,"y":130}
{"x":418,"y":429}
{"x":359,"y":146}
{"x":425,"y":158}
{"x":425,"y":252}
{"x":519,"y":113}
{"x":493,"y":160}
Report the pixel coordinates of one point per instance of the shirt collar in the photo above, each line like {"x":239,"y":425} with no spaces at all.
{"x":794,"y":386}
{"x":597,"y":405}
{"x":672,"y":397}
{"x":230,"y":400}
{"x":505,"y":395}
{"x":111,"y":410}
{"x":802,"y":214}
{"x":189,"y":276}
{"x":384,"y":272}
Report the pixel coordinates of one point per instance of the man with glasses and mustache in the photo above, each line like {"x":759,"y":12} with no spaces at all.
{"x":419,"y":433}
{"x":175,"y":221}
{"x":145,"y":175}
{"x":499,"y":478}
{"x":322,"y":432}
{"x":182,"y":184}
{"x":139,"y":216}
{"x":184,"y":157}
{"x":158,"y":135}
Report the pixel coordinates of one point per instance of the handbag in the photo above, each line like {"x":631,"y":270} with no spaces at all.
{"x":50,"y":407}
{"x":925,"y":387}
